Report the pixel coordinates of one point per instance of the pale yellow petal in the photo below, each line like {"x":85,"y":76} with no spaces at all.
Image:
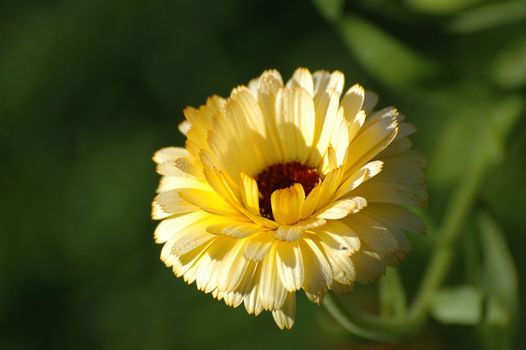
{"x":285,"y":316}
{"x":352,"y":102}
{"x":325,"y":81}
{"x":343,"y":270}
{"x":170,"y":203}
{"x":233,"y":267}
{"x":172,"y":226}
{"x":168,"y":183}
{"x":339,"y":236}
{"x":182,"y":264}
{"x":252,"y":301}
{"x":169,"y":153}
{"x":258,"y":246}
{"x":372,"y":138}
{"x":272,"y":293}
{"x":341,"y":208}
{"x":210,"y":263}
{"x":290,"y":265}
{"x":303,"y":79}
{"x":270,"y":83}
{"x":326,"y":120}
{"x":184,"y":127}
{"x":295,"y":118}
{"x":340,"y":137}
{"x":235,"y":229}
{"x":355,"y":124}
{"x":318,"y":272}
{"x":373,"y":233}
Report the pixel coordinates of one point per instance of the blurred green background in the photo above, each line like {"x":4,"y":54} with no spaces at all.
{"x":89,"y":89}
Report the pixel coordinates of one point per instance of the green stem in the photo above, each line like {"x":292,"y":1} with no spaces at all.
{"x":458,"y":210}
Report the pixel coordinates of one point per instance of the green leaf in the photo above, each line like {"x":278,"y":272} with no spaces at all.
{"x":389,"y":60}
{"x":493,"y":118}
{"x":457,"y":305}
{"x":330,"y":9}
{"x":392,"y":295}
{"x":509,"y":67}
{"x":501,"y":286}
{"x":440,"y":6}
{"x":488,"y":16}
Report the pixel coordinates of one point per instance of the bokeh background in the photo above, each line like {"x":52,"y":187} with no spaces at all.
{"x":89,"y":89}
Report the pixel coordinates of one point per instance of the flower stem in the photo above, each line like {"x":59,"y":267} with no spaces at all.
{"x":456,"y":213}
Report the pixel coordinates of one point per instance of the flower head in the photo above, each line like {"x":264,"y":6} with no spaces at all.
{"x":283,"y":187}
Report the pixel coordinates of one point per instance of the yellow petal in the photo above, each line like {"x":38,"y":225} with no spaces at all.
{"x":368,"y":171}
{"x":328,"y":188}
{"x":352,"y":101}
{"x":170,"y":203}
{"x":355,"y":124}
{"x":209,"y":265}
{"x":169,"y":153}
{"x":219,"y":181}
{"x":295,"y":123}
{"x":325,"y":81}
{"x":311,"y":201}
{"x":342,"y":207}
{"x":250,"y":194}
{"x":290,"y":233}
{"x":168,"y":183}
{"x":287,"y":204}
{"x":285,"y":316}
{"x":289,"y":264}
{"x":172,"y":226}
{"x":272,"y":294}
{"x":340,"y":137}
{"x":233,"y":268}
{"x":235,"y":229}
{"x":258,"y":246}
{"x":342,"y":266}
{"x":372,"y":233}
{"x":252,"y":301}
{"x":182,"y":264}
{"x":374,"y":136}
{"x":318,"y":272}
{"x":303,"y":79}
{"x":339,"y":236}
{"x":269,"y":85}
{"x":326,"y":121}
{"x":211,"y":202}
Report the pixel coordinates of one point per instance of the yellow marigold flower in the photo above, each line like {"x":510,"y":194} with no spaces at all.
{"x":282,"y":187}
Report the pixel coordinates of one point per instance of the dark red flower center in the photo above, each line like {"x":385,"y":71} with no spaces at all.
{"x":279,"y":176}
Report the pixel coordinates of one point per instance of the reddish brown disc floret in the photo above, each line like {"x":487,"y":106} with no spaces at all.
{"x":279,"y":176}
